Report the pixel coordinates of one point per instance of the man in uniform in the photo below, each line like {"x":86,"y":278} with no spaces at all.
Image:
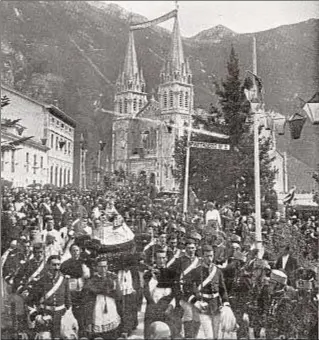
{"x":160,"y":291}
{"x":160,"y":244}
{"x":183,"y":267}
{"x":209,"y":293}
{"x":173,"y":252}
{"x":49,"y":299}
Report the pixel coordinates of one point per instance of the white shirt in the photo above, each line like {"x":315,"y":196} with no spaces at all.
{"x":213,"y":215}
{"x":284,"y":260}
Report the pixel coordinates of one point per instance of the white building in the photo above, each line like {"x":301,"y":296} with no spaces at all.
{"x":48,"y":157}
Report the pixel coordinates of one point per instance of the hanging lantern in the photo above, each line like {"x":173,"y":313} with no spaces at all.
{"x":269,"y":123}
{"x":296,"y":123}
{"x":44,"y":141}
{"x":279,"y":122}
{"x":312,"y":109}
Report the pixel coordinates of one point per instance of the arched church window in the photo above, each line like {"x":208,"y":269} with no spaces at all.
{"x":163,"y":78}
{"x":142,"y":88}
{"x":121,"y":105}
{"x":140,"y":103}
{"x":189,"y":79}
{"x":165,"y":100}
{"x":134,"y":104}
{"x":125,"y":105}
{"x":171,"y":98}
{"x":175,"y":75}
{"x":186,"y":99}
{"x":181,"y":99}
{"x":130,"y":85}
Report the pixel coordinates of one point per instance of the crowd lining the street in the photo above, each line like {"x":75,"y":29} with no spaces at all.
{"x":196,"y":271}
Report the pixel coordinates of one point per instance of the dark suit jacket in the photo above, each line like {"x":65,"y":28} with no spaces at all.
{"x":291,"y":266}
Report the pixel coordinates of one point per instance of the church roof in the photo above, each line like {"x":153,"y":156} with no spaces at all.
{"x":151,"y":106}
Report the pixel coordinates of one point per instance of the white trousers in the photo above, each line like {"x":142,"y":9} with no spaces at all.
{"x":210,"y":325}
{"x":190,"y":312}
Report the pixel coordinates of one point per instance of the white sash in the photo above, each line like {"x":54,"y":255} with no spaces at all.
{"x":172,"y":260}
{"x":149,"y":245}
{"x":191,"y":266}
{"x":53,"y":289}
{"x":4,"y":257}
{"x":47,"y":208}
{"x":37,"y":272}
{"x":61,"y":209}
{"x":208,"y":279}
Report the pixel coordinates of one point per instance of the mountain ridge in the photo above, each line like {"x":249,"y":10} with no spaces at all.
{"x":40,"y":60}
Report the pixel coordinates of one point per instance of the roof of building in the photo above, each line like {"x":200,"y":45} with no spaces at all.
{"x":51,"y":108}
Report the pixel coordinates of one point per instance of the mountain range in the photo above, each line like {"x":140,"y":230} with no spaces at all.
{"x":70,"y":52}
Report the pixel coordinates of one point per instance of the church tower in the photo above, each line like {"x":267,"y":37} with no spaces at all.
{"x":130,"y":98}
{"x":176,"y":97}
{"x":176,"y":94}
{"x":130,"y":94}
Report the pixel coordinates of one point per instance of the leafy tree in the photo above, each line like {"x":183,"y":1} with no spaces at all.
{"x":227,"y":175}
{"x":316,"y":178}
{"x":9,"y":123}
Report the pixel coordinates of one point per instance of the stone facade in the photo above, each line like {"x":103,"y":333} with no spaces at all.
{"x":48,"y":157}
{"x":144,"y":131}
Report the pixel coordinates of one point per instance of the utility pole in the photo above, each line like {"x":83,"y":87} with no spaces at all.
{"x":257,"y":112}
{"x":186,"y":179}
{"x":98,"y":163}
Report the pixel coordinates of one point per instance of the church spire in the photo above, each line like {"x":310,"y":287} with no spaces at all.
{"x":176,"y":67}
{"x":176,"y":53}
{"x":130,"y":63}
{"x":129,"y":78}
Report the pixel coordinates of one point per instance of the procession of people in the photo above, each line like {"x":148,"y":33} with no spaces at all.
{"x":86,"y":264}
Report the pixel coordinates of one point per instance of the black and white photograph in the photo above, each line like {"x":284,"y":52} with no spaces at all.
{"x":159,"y":170}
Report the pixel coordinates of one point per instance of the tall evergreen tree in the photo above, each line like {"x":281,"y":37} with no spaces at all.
{"x":227,"y":175}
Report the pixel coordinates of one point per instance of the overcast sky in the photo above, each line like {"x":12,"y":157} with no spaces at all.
{"x":239,"y":16}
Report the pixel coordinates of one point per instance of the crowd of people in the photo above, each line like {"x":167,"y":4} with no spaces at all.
{"x":200,"y":270}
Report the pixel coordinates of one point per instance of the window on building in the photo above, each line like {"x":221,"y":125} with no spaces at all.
{"x":51,"y":174}
{"x":57,"y":123}
{"x":2,"y":160}
{"x":52,"y":120}
{"x":13,"y":152}
{"x":52,"y":140}
{"x":125,"y":105}
{"x":61,"y":177}
{"x":181,"y":99}
{"x":134,"y":104}
{"x":165,"y":100}
{"x":41,"y":162}
{"x":70,"y":130}
{"x":27,"y":159}
{"x":56,"y":176}
{"x":69,"y":178}
{"x":64,"y":177}
{"x":121,"y":106}
{"x":62,"y":126}
{"x":189,"y":79}
{"x":143,"y":88}
{"x":171,"y":99}
{"x":69,"y":148}
{"x":34,"y":164}
{"x":186,"y":99}
{"x":57,"y":143}
{"x":140,"y":103}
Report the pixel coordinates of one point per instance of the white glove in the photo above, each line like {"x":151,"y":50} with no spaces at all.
{"x":246,"y":318}
{"x":39,"y":319}
{"x":262,"y":333}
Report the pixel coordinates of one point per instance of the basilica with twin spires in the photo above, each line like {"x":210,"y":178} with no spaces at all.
{"x":144,"y":131}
